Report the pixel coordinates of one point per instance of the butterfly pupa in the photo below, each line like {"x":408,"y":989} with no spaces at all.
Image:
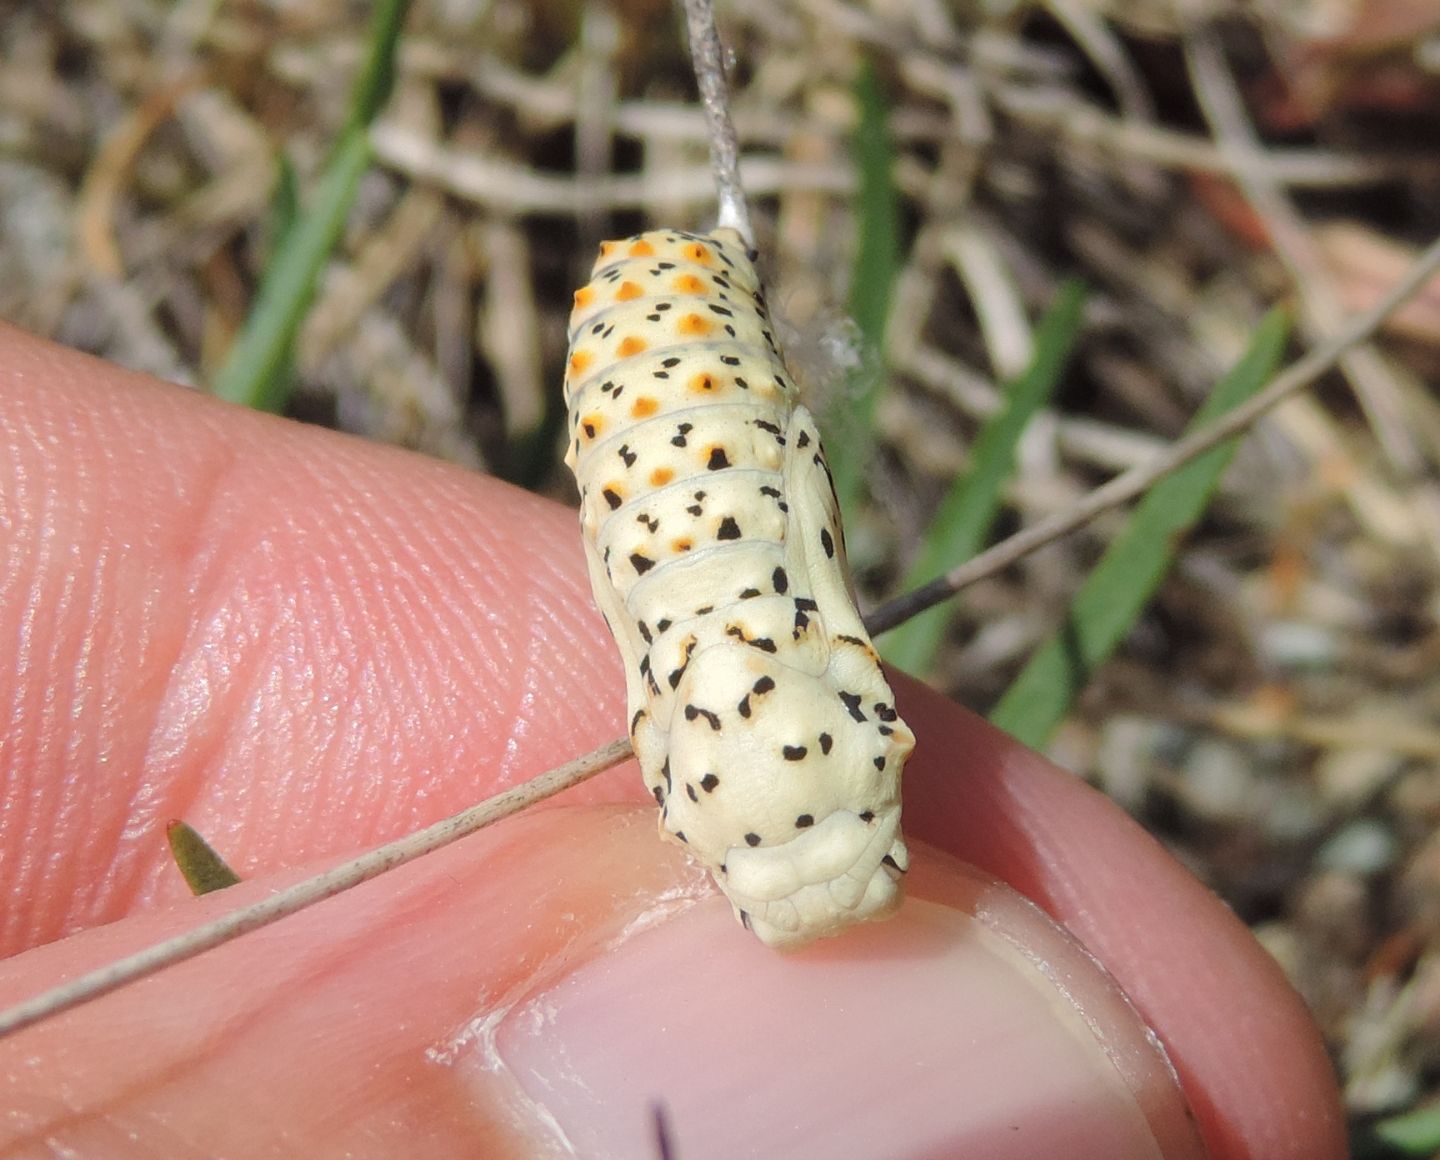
{"x":763,"y":724}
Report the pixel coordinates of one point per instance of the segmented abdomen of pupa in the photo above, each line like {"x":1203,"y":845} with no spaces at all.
{"x":764,"y":727}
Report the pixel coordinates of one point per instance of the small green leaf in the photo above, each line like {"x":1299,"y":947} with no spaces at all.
{"x":1112,"y":597}
{"x":1415,"y":1133}
{"x":204,"y":870}
{"x":964,"y":518}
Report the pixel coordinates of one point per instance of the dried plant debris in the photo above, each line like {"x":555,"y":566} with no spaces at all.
{"x":1276,"y":716}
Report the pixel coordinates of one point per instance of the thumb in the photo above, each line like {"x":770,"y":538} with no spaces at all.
{"x":541,"y":988}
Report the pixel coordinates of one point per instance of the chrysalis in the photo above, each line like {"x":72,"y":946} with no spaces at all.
{"x":763,"y":724}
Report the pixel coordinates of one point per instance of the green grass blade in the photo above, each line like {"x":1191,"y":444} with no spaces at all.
{"x":877,"y":264}
{"x":284,"y":207}
{"x":963,"y":520}
{"x":377,"y":75}
{"x":256,"y":372}
{"x":1117,"y":589}
{"x":204,"y":870}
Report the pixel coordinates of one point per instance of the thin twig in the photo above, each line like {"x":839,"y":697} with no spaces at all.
{"x":305,"y":894}
{"x":1134,"y":482}
{"x":1320,"y":313}
{"x":707,"y":59}
{"x":1377,"y":387}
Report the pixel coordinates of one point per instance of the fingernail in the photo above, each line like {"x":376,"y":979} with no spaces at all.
{"x":968,"y":1025}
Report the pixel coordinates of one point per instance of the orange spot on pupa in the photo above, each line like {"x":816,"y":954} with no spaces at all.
{"x":689,"y":284}
{"x":703,"y":383}
{"x":642,"y":249}
{"x":584,"y":296}
{"x":661,"y":476}
{"x":608,"y":248}
{"x":697,"y":253}
{"x":643,"y":407}
{"x":580,"y":362}
{"x":681,"y":545}
{"x":632,"y":345}
{"x":693,"y":325}
{"x":592,"y":425}
{"x":627,"y":291}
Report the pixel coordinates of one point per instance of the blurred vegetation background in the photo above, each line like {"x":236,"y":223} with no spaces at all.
{"x":418,"y":189}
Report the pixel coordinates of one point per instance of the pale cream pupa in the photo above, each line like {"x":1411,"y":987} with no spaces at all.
{"x":763,"y":724}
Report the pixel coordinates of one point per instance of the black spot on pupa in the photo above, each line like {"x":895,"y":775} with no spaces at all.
{"x":680,"y":837}
{"x":745,"y":919}
{"x":826,"y":743}
{"x":886,"y":731}
{"x":695,"y":510}
{"x":894,"y":865}
{"x":635,"y":720}
{"x":730,"y":360}
{"x":749,"y":593}
{"x":867,"y":817}
{"x":852,"y":703}
{"x":694,"y":712}
{"x":794,"y":752}
{"x":665,"y":773}
{"x":718,"y":460}
{"x":644,"y":630}
{"x":670,"y":363}
{"x":690,"y":792}
{"x":662,"y":625}
{"x":772,"y":492}
{"x":827,"y":541}
{"x":806,"y":603}
{"x":880,"y":763}
{"x":659,"y":795}
{"x":803,"y":440}
{"x":729,"y":529}
{"x":650,"y":523}
{"x":780,"y":580}
{"x":763,"y":685}
{"x":744,"y":707}
{"x":885,"y":712}
{"x":752,"y":839}
{"x":681,"y":431}
{"x":709,"y":782}
{"x":626,"y":455}
{"x":641,"y":564}
{"x":804,"y":821}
